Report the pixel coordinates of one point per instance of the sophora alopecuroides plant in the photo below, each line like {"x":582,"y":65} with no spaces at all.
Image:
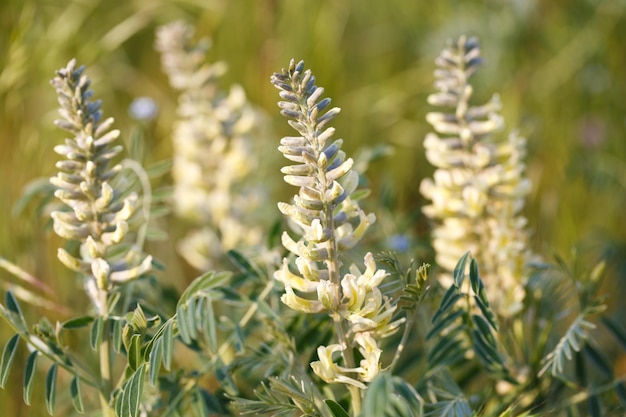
{"x":329,"y":222}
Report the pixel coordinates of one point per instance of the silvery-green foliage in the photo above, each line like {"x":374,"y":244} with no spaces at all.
{"x":213,"y":155}
{"x":460,"y":326}
{"x":99,"y":214}
{"x":477,"y":191}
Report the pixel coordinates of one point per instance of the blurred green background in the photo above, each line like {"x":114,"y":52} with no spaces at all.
{"x":559,"y":66}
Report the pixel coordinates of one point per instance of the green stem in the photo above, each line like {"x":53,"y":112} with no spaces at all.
{"x":75,"y":368}
{"x":405,"y":336}
{"x":332,"y":262}
{"x":141,"y":174}
{"x":105,"y":357}
{"x":333,"y":275}
{"x":247,"y":316}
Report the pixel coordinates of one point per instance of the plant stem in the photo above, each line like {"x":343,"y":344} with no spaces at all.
{"x":405,"y":336}
{"x":141,"y":174}
{"x":105,"y":357}
{"x":333,"y":275}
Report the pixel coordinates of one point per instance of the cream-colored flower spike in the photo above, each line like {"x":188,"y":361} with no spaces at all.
{"x":98,"y":216}
{"x":329,"y":223}
{"x":477,"y":191}
{"x":212,"y":151}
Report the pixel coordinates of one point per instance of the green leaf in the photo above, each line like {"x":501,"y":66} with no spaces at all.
{"x":475,"y":281}
{"x":273,"y":236}
{"x":244,"y":264}
{"x":181,"y":321}
{"x":118,"y":327}
{"x":51,"y":388}
{"x":447,"y":302}
{"x":162,"y":193}
{"x":616,"y":330}
{"x":138,"y":319}
{"x":487,"y":312}
{"x":411,"y":400}
{"x":572,"y":341}
{"x":443,"y":323}
{"x":131,"y":398}
{"x":134,"y":352}
{"x":620,"y":390}
{"x":211,"y":327}
{"x":377,"y":396}
{"x":96,"y":333}
{"x":457,"y":407}
{"x":154,"y":234}
{"x":136,"y":144}
{"x":155,"y":362}
{"x":199,"y":405}
{"x":459,"y":270}
{"x":487,"y":353}
{"x":190,"y":316}
{"x":114,"y":298}
{"x":77,"y":398}
{"x":360,"y":194}
{"x":160,"y":168}
{"x":159,"y":211}
{"x":336,"y":409}
{"x":39,"y":186}
{"x":127,"y":334}
{"x":204,"y":282}
{"x":168,"y":340}
{"x":223,"y":375}
{"x":448,"y":350}
{"x":7,"y":359}
{"x":29,"y":373}
{"x":13,"y":306}
{"x":598,"y":359}
{"x":594,"y":406}
{"x":119,"y":402}
{"x":77,"y":323}
{"x":482,"y":325}
{"x":238,"y":339}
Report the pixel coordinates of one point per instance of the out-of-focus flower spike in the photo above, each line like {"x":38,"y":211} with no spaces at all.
{"x":478,"y":187}
{"x":213,"y":155}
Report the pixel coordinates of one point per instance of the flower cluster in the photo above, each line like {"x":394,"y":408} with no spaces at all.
{"x":478,"y":189}
{"x":99,"y":213}
{"x":212,"y":151}
{"x":329,"y":222}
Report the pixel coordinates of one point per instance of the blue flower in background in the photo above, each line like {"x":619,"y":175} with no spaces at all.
{"x":143,"y":108}
{"x":399,"y":243}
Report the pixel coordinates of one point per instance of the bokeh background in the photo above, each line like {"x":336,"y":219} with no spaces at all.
{"x":559,"y":67}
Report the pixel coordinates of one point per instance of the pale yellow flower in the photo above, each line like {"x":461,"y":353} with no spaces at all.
{"x":330,"y":372}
